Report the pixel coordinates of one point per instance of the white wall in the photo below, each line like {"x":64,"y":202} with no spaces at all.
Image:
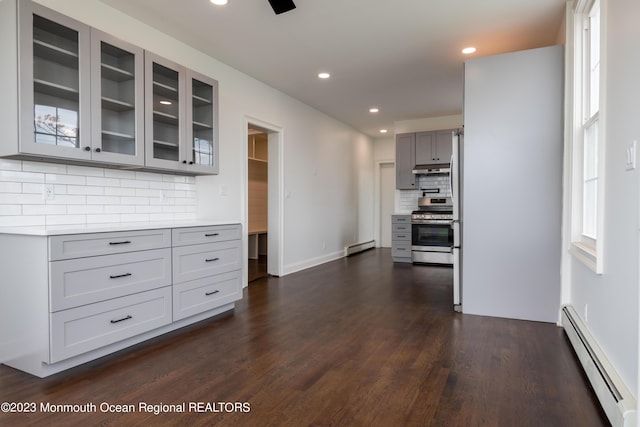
{"x":327,"y":166}
{"x":612,"y":297}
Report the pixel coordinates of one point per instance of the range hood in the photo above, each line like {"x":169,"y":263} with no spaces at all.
{"x":443,"y":169}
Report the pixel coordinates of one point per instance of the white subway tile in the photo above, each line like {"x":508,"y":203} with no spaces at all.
{"x":161,"y":185}
{"x":190,"y":179}
{"x":185,"y":216}
{"x":44,"y":210}
{"x":174,"y":178}
{"x":29,"y":188}
{"x":117,"y":173}
{"x":10,"y":187}
{"x":134,"y":217}
{"x":148,"y":209}
{"x":65,"y":219}
{"x":10,"y":209}
{"x":18,"y":221}
{"x":117,"y":191}
{"x":148,"y":176}
{"x":17,"y":176}
{"x":119,"y":209}
{"x":174,"y":209}
{"x":66,"y":199}
{"x":134,"y":200}
{"x":59,"y":189}
{"x":52,"y":178}
{"x":185,"y":187}
{"x":85,"y":209}
{"x":84,"y":171}
{"x":103,"y":182}
{"x":161,"y":217}
{"x":10,"y":164}
{"x":103,"y":200}
{"x":132,"y":183}
{"x":86,"y":190}
{"x":146,"y":192}
{"x":103,"y":219}
{"x":28,"y":166}
{"x":21,"y":199}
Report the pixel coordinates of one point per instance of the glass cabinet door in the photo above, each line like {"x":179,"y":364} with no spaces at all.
{"x":55,"y":83}
{"x":164,"y":124}
{"x":117,"y":107}
{"x":202,"y":117}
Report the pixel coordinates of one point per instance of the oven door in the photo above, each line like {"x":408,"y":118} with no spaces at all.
{"x":432,"y":242}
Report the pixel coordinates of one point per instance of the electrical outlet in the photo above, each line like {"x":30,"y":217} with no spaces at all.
{"x":631,"y":156}
{"x":586,"y":313}
{"x":48,"y":192}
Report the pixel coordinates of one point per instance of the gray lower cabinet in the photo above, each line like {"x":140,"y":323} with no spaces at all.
{"x":401,"y":238}
{"x":73,"y":298}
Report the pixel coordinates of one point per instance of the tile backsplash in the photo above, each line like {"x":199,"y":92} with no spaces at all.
{"x":38,"y":194}
{"x":408,"y":200}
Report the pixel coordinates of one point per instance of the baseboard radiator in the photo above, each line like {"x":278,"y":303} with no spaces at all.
{"x":615,"y":398}
{"x":359,"y":247}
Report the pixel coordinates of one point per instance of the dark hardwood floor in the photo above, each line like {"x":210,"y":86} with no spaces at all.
{"x":355,"y":342}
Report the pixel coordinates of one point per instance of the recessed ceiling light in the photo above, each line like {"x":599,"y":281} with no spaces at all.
{"x":374,"y":110}
{"x":219,"y":2}
{"x":468,"y":50}
{"x":324,"y":75}
{"x":383,"y":131}
{"x":165,"y":102}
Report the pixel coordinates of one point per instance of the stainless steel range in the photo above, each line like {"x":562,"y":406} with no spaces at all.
{"x":432,"y":231}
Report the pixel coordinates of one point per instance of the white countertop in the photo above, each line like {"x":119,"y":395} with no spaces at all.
{"x":54,"y":230}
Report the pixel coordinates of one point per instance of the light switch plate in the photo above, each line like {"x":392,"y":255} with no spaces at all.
{"x":631,"y":156}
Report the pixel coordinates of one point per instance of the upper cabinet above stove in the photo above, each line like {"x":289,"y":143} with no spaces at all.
{"x":420,"y":149}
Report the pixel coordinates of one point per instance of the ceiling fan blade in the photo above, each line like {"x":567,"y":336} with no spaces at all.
{"x":282,"y":6}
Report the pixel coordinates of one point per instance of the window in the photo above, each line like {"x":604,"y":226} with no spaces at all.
{"x":588,"y":164}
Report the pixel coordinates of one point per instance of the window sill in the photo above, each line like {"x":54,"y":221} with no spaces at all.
{"x":587,"y":255}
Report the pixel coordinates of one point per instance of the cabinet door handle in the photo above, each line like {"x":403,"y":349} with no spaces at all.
{"x":211,"y":259}
{"x":124,"y":242}
{"x":122,"y":320}
{"x":120,"y":275}
{"x":211,"y":293}
{"x":211,"y":234}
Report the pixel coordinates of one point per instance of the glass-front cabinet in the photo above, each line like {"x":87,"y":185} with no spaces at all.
{"x":202,"y":118}
{"x":54,"y":84}
{"x":117,"y":100}
{"x":71,"y":92}
{"x":181,"y":124}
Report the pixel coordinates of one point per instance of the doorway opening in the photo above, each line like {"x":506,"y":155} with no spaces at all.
{"x":264,"y":222}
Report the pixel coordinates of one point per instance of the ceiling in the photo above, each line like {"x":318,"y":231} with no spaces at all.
{"x":402,"y":56}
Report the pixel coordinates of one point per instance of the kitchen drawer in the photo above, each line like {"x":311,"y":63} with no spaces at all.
{"x":85,"y":245}
{"x":401,"y":228}
{"x":200,"y":295}
{"x":82,"y":281}
{"x":211,"y":234}
{"x":82,"y":329}
{"x":401,"y":236}
{"x":401,"y":250}
{"x":198,"y":261}
{"x":401,"y":219}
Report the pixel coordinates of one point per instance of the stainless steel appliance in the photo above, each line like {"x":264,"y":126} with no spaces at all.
{"x":432,"y":231}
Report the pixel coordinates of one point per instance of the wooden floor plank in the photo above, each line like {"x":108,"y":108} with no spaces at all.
{"x":356,"y":342}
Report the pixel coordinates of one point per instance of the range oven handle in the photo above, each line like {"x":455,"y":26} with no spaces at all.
{"x":448,"y":222}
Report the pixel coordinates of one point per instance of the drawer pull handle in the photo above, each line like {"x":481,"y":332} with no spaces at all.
{"x":211,"y":234}
{"x":122,"y":320}
{"x":211,"y":259}
{"x":120,"y":275}
{"x":124,"y":242}
{"x":211,"y":293}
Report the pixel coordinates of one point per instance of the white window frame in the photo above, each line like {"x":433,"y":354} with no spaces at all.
{"x":587,"y":247}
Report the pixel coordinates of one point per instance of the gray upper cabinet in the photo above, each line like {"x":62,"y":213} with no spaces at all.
{"x":54,"y":84}
{"x":433,"y":148}
{"x":405,"y":161}
{"x":181,"y":122}
{"x":201,"y":143}
{"x":75,"y":94}
{"x":117,"y":107}
{"x":443,"y":146}
{"x":164,"y":112}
